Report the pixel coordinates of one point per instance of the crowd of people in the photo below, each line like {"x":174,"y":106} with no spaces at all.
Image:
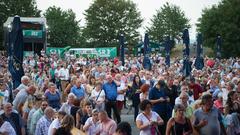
{"x":73,"y":96}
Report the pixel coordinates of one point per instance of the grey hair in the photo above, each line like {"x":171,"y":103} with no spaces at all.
{"x":183,"y":93}
{"x":71,"y":95}
{"x":25,"y":78}
{"x":48,"y":110}
{"x":51,"y":84}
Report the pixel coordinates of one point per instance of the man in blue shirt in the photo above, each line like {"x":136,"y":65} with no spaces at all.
{"x":160,"y":101}
{"x":110,"y":89}
{"x":78,"y":90}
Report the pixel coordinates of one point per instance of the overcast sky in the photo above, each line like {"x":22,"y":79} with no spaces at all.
{"x":192,"y":9}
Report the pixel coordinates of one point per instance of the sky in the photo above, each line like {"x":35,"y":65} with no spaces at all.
{"x":192,"y":9}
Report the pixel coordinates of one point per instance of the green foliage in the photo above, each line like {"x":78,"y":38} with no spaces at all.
{"x":107,"y":19}
{"x":170,"y":21}
{"x":10,"y":8}
{"x":63,"y":27}
{"x":222,"y":19}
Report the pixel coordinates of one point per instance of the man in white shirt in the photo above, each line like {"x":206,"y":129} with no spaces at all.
{"x":56,"y":123}
{"x":64,"y":76}
{"x":121,"y":90}
{"x":24,"y":85}
{"x":237,"y":64}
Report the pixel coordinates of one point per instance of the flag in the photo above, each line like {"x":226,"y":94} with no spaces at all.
{"x":199,"y":62}
{"x":167,"y":51}
{"x":186,"y":42}
{"x":146,"y":44}
{"x":15,"y":52}
{"x":122,"y":46}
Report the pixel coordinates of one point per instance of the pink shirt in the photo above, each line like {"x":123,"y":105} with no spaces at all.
{"x":108,"y":127}
{"x":218,"y":104}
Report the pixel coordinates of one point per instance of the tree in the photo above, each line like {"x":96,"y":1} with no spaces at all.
{"x":169,"y":20}
{"x":223,"y":20}
{"x":10,"y":8}
{"x":63,"y":27}
{"x":107,"y":19}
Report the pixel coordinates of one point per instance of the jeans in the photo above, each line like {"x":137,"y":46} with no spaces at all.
{"x":136,"y":111}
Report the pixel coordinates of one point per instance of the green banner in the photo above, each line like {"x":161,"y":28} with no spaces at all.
{"x":28,"y":53}
{"x":108,"y":52}
{"x":33,"y":33}
{"x":57,"y":50}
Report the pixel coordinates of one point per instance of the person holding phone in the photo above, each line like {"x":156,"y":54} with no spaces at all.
{"x":207,"y":120}
{"x":148,"y":121}
{"x":179,"y":124}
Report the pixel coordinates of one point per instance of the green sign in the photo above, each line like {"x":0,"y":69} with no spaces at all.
{"x":109,"y":52}
{"x":33,"y":33}
{"x":57,"y":50}
{"x":28,"y":53}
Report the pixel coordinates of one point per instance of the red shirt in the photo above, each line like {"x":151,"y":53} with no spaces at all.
{"x":218,"y":104}
{"x":210,"y":63}
{"x":197,"y":90}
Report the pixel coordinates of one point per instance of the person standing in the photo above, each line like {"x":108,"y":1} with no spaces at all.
{"x":148,"y":120}
{"x":6,"y":128}
{"x":196,"y":88}
{"x":160,"y":100}
{"x":13,"y":118}
{"x":110,"y":89}
{"x":53,"y":96}
{"x":22,"y":97}
{"x":24,"y":85}
{"x":91,"y":126}
{"x":67,"y":127}
{"x":79,"y":91}
{"x":66,"y":107}
{"x":135,"y":94}
{"x":98,"y":97}
{"x":64,"y":76}
{"x":179,"y":124}
{"x":121,"y":90}
{"x":207,"y":120}
{"x":44,"y":122}
{"x":107,"y":125}
{"x":56,"y":123}
{"x":144,"y":92}
{"x":36,"y":116}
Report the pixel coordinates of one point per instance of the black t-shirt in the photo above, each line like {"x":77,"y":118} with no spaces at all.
{"x":73,"y":111}
{"x":83,"y":116}
{"x":62,"y":131}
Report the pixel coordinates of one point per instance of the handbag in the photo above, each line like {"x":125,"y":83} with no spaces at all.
{"x":94,"y":102}
{"x":154,"y":129}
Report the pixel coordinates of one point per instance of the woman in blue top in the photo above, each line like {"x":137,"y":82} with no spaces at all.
{"x":53,"y":97}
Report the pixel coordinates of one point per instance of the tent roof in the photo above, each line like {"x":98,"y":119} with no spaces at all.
{"x":40,"y":20}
